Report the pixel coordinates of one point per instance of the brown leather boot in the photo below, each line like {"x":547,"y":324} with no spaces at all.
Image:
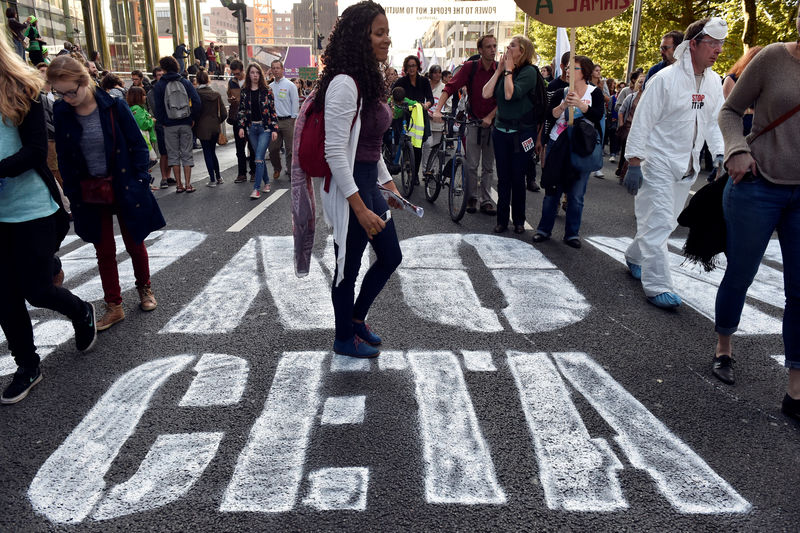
{"x":111,"y":316}
{"x":147,"y":299}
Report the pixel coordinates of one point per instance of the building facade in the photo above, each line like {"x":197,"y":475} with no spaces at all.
{"x":460,"y":39}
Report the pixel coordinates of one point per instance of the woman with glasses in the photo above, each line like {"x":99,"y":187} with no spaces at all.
{"x":104,"y":163}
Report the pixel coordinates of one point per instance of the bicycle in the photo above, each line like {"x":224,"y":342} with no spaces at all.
{"x":402,"y":160}
{"x":451,"y":170}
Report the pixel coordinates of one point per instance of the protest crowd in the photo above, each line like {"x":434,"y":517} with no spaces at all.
{"x":81,"y":145}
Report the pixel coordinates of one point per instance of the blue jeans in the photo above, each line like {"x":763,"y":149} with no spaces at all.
{"x":753,"y":210}
{"x":387,"y":256}
{"x":210,"y":156}
{"x":575,"y":193}
{"x":511,"y":160}
{"x":259,"y":140}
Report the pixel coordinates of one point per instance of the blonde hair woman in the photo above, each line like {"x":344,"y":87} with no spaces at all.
{"x":514,"y":133}
{"x":104,"y":163}
{"x":32,"y":225}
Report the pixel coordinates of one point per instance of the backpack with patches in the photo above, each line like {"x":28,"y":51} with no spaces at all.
{"x":311,"y":149}
{"x":176,"y":100}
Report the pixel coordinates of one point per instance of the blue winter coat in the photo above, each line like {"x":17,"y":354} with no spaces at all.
{"x":134,"y":202}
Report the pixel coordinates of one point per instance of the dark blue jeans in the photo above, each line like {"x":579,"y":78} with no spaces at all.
{"x":575,"y":193}
{"x":511,"y":160}
{"x":753,"y":210}
{"x":387,"y":253}
{"x":210,"y":156}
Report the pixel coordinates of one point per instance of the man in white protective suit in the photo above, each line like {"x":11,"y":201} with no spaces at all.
{"x":677,"y":113}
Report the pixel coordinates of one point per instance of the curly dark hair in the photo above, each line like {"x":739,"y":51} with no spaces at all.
{"x":349,"y":51}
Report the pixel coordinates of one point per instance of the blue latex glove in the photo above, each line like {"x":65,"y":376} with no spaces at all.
{"x":633,"y":179}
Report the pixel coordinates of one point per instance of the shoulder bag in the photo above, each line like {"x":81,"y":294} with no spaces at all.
{"x":222,"y":139}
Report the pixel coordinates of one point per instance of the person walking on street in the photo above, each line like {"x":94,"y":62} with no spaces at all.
{"x":762,"y":196}
{"x":207,"y":127}
{"x":257,"y":117}
{"x":352,"y":202}
{"x":437,"y":128}
{"x":243,"y":161}
{"x":675,"y":116}
{"x":17,"y":31}
{"x":33,"y":223}
{"x":104,"y":163}
{"x":176,"y":107}
{"x":287,"y":105}
{"x":163,"y":161}
{"x":417,"y":88}
{"x":479,"y":150}
{"x":512,"y":86}
{"x":600,"y":82}
{"x":587,"y":101}
{"x":212,"y":58}
{"x":136,"y":98}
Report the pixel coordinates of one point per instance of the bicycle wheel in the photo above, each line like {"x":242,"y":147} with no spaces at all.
{"x":458,"y":193}
{"x":407,"y":169}
{"x":432,"y":185}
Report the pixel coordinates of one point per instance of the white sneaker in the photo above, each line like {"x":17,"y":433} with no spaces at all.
{"x":612,"y":159}
{"x":598,"y":174}
{"x":265,"y":187}
{"x":255,"y":195}
{"x":211,"y":184}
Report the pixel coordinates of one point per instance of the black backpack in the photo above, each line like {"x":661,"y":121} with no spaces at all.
{"x":539,"y":97}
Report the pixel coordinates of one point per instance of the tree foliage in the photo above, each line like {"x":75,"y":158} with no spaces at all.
{"x":608,"y":43}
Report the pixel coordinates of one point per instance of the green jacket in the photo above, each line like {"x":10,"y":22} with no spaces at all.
{"x":516,"y":113}
{"x":33,"y":39}
{"x":146,"y":124}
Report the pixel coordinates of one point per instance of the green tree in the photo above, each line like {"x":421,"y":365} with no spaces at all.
{"x":607,"y":43}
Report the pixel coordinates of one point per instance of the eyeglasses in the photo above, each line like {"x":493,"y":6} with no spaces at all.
{"x":665,"y":48}
{"x":713,"y":42}
{"x":68,"y":94}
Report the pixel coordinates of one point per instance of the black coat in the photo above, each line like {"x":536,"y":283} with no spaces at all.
{"x":127,"y":159}
{"x":33,"y":156}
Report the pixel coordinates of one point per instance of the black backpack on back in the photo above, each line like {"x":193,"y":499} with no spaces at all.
{"x":539,"y":97}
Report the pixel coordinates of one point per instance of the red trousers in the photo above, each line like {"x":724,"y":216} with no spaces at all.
{"x":107,"y":258}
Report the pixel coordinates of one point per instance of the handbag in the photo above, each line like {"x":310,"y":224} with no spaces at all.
{"x":99,"y":190}
{"x":579,"y":137}
{"x":222,"y":139}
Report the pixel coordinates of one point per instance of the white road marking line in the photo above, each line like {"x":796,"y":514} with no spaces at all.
{"x":69,"y":239}
{"x":220,"y":380}
{"x":700,"y":294}
{"x":340,"y":410}
{"x":458,"y":465}
{"x":47,"y":336}
{"x":577,"y":472}
{"x":302,"y":304}
{"x":437,"y":287}
{"x":478,"y":361}
{"x":780,"y":359}
{"x":338,"y":489}
{"x":171,"y":467}
{"x":392,"y":360}
{"x":257,"y":210}
{"x":685,"y":480}
{"x":270,"y":468}
{"x":225,"y":299}
{"x":343,"y":363}
{"x":171,"y":246}
{"x":71,"y":481}
{"x":493,"y":196}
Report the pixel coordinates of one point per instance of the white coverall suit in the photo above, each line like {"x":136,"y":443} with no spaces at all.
{"x":661,"y":136}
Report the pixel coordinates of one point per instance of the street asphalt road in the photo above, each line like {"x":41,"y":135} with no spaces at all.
{"x":520,"y":388}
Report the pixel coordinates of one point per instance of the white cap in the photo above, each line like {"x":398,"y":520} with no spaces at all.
{"x":716,"y":28}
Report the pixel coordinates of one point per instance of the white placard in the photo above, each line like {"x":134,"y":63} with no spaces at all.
{"x":478,"y":10}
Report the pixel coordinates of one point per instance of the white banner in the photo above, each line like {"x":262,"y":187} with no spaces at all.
{"x":470,"y":10}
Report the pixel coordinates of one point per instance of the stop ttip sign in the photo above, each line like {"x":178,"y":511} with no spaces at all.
{"x":573,"y":13}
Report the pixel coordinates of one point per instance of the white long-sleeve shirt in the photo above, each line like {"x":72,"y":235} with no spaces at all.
{"x":669,"y":113}
{"x":287,"y":101}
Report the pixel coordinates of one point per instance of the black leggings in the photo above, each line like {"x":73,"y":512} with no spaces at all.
{"x":27,"y":273}
{"x":387,"y":252}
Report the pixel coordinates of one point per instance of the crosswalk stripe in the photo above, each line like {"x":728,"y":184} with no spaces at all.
{"x":257,"y":210}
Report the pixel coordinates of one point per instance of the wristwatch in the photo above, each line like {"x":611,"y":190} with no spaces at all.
{"x":507,"y":72}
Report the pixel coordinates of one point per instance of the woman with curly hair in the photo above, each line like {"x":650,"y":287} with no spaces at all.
{"x":32,"y":225}
{"x":258,"y":118}
{"x":353,"y":95}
